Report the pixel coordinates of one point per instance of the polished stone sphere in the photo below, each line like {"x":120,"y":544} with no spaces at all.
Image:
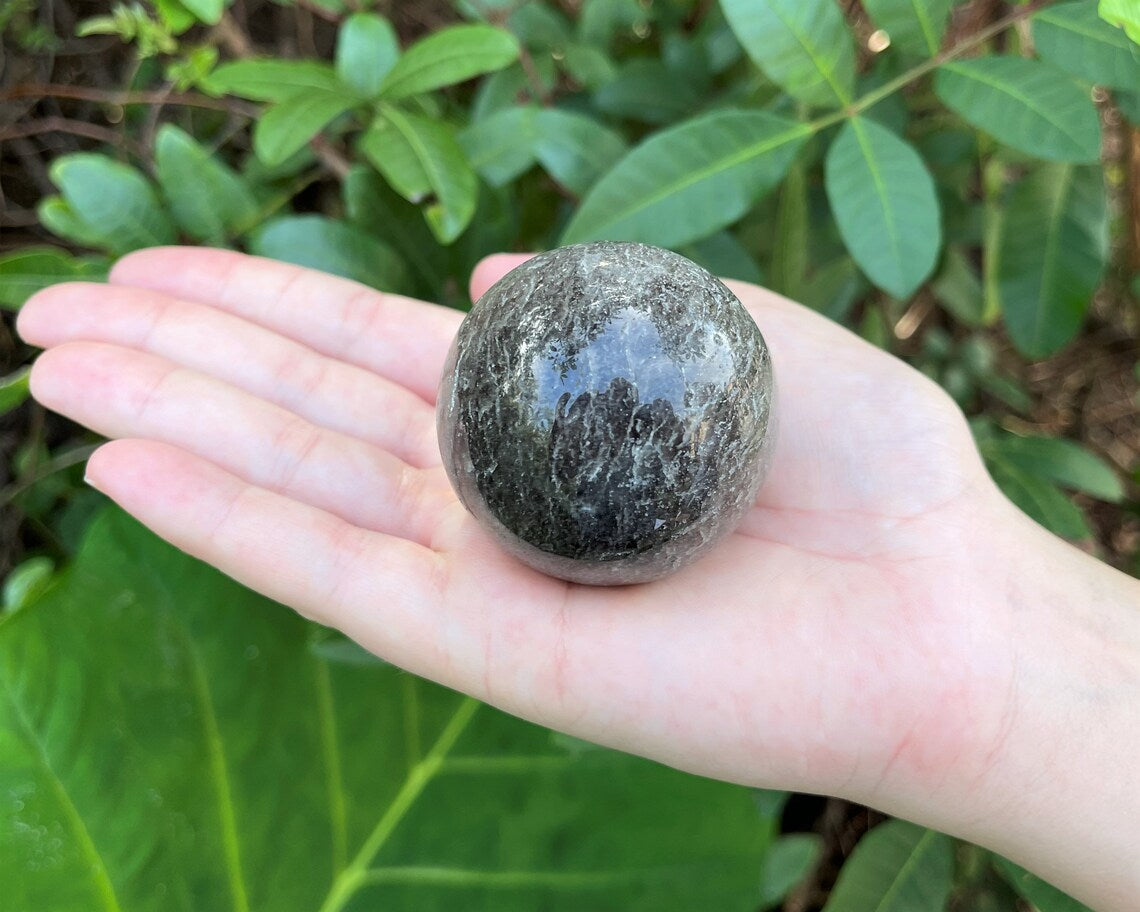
{"x":604,"y":411}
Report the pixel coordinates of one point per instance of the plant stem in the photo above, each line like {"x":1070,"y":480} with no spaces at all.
{"x":899,"y":82}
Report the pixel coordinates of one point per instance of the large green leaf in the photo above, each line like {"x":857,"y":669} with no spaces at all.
{"x":419,"y":156}
{"x":648,"y":91}
{"x":802,"y":45}
{"x":575,"y":149}
{"x":501,"y":145}
{"x":1044,"y":896}
{"x":114,"y":201}
{"x":1063,"y":462}
{"x":208,"y":199}
{"x":336,"y":247}
{"x":1029,"y":104}
{"x":448,"y":56}
{"x":170,"y":741}
{"x":274,"y":80}
{"x":1051,"y":255}
{"x":289,"y":125}
{"x":686,"y":182}
{"x":885,"y":205}
{"x":1075,"y":38}
{"x":1039,"y":499}
{"x":789,"y":860}
{"x":366,"y":50}
{"x":1123,"y":14}
{"x":25,"y":272}
{"x":916,"y":26}
{"x":897,"y":867}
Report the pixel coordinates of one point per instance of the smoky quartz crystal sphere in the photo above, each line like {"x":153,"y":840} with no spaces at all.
{"x":605,"y":412}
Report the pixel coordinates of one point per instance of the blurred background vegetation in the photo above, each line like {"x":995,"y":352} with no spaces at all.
{"x":957,"y":182}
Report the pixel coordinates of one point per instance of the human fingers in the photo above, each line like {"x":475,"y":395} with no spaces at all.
{"x":323,"y":390}
{"x":121,"y":392}
{"x":286,"y":549}
{"x":399,"y":338}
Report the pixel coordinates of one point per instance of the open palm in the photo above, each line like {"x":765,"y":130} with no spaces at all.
{"x":279,"y":423}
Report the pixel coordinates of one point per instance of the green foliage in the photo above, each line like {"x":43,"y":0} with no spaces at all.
{"x":1051,"y":255}
{"x":885,"y":205}
{"x":1030,"y":470}
{"x":897,"y":867}
{"x":940,"y":197}
{"x":1030,"y":105}
{"x":24,"y":273}
{"x":270,"y":770}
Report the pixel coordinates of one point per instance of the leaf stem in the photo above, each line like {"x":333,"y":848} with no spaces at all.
{"x":417,"y":779}
{"x":887,"y":89}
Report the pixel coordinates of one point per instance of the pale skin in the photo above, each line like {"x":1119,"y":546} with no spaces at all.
{"x":884,"y":626}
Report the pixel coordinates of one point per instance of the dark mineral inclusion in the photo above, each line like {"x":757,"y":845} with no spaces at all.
{"x":604,"y":411}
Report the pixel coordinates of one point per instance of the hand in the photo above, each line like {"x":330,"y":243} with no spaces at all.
{"x":853,"y":637}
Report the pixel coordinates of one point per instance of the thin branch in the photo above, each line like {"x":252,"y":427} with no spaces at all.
{"x":80,"y":93}
{"x":60,"y":125}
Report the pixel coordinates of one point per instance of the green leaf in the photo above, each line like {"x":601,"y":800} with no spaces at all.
{"x":274,"y":80}
{"x":171,"y":741}
{"x":647,"y":91}
{"x":366,"y":50}
{"x":14,"y":389}
{"x":1124,"y":14}
{"x":885,"y":205}
{"x":1044,"y":896}
{"x":896,"y":867}
{"x":419,"y":156}
{"x":790,"y":257}
{"x":1038,"y":499}
{"x":336,"y":247}
{"x":1063,"y":462}
{"x":174,"y":15}
{"x":575,"y":149}
{"x":209,"y":200}
{"x":24,"y":273}
{"x":378,"y":209}
{"x":802,"y":45}
{"x":1075,"y":38}
{"x":114,"y":201}
{"x":449,"y":56}
{"x":207,"y":11}
{"x":589,"y":66}
{"x":724,"y":256}
{"x":789,"y":860}
{"x":1051,"y":255}
{"x":1028,"y":104}
{"x":26,"y":581}
{"x":501,"y":145}
{"x":834,"y":288}
{"x":688,"y":181}
{"x":60,"y":219}
{"x":915,"y":26}
{"x":288,"y":125}
{"x":958,"y":288}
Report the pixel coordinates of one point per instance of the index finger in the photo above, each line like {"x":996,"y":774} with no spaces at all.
{"x":399,"y":338}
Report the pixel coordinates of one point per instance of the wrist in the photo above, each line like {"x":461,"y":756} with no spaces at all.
{"x":1052,"y":777}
